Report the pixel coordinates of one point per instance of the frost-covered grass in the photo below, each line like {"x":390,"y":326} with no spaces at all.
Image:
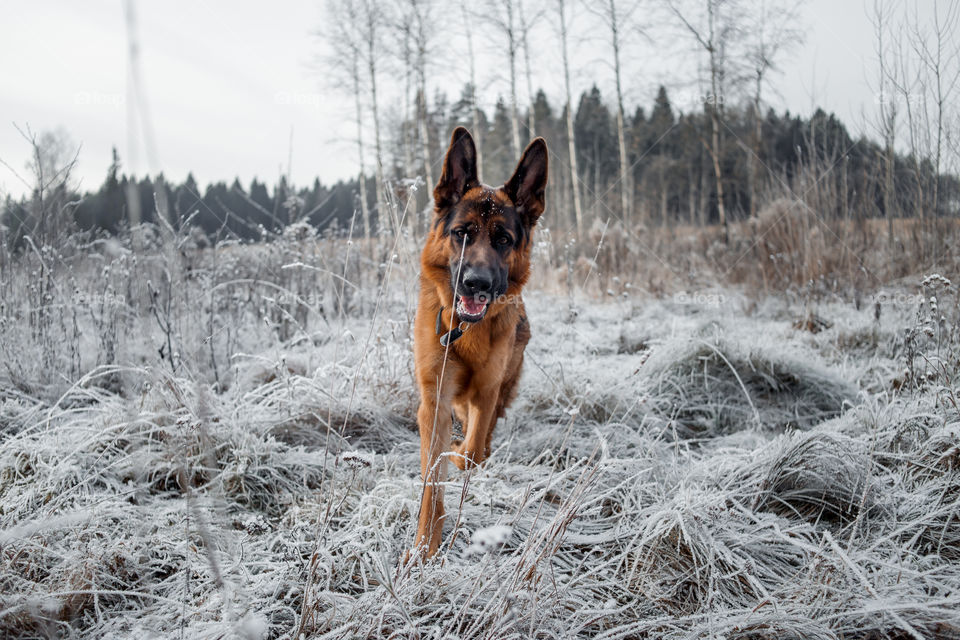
{"x":669,"y":470}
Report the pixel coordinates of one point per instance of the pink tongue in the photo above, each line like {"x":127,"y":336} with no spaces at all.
{"x":473,"y":307}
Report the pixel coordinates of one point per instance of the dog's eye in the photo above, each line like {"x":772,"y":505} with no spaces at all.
{"x":460,"y":233}
{"x":503,"y":240}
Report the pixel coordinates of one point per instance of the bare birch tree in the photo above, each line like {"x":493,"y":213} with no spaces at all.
{"x":714,"y":25}
{"x":771,"y":32}
{"x":404,"y":27}
{"x":362,"y":177}
{"x":52,"y":160}
{"x":571,"y":141}
{"x":617,"y":16}
{"x":370,"y":21}
{"x":886,"y":123}
{"x":939,"y":54}
{"x":525,"y":25}
{"x":415,"y":23}
{"x":346,"y":56}
{"x":504,"y":20}
{"x":908,"y":82}
{"x":421,"y":10}
{"x":474,"y":107}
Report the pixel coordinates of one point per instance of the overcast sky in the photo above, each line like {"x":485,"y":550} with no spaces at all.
{"x":227,"y":82}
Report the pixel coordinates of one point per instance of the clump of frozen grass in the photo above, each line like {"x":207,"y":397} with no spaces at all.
{"x":710,"y":387}
{"x":776,"y":626}
{"x":930,"y":507}
{"x":939,"y":456}
{"x":371,"y":405}
{"x":770,"y":622}
{"x":702,"y":550}
{"x":818,"y":476}
{"x":17,"y":412}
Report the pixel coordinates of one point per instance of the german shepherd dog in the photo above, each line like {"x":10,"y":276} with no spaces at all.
{"x":471,"y":326}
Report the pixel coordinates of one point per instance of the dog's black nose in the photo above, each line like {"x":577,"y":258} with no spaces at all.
{"x":477,"y":280}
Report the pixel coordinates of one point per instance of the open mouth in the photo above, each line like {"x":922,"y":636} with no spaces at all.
{"x":472,"y":309}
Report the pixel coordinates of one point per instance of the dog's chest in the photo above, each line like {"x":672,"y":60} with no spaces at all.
{"x":481,"y":345}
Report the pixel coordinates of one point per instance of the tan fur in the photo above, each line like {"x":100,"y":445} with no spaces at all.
{"x":483,"y":366}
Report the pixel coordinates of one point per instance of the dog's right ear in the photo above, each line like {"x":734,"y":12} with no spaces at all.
{"x":459,"y":170}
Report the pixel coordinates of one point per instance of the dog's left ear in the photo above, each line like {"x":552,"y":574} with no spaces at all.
{"x":526,"y":187}
{"x":459,"y":170}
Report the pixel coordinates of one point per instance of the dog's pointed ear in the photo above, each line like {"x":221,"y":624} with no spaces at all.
{"x":526,"y":187}
{"x":459,"y":170}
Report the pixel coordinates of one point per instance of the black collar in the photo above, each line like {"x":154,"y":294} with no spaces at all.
{"x":449,"y":337}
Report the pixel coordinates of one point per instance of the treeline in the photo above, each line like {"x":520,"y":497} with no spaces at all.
{"x":671,"y":177}
{"x":214,"y":212}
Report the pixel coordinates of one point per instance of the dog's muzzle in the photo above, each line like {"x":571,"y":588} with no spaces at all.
{"x":475,"y":293}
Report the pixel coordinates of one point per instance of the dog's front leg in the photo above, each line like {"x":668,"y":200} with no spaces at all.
{"x":434,"y":420}
{"x":475,"y":446}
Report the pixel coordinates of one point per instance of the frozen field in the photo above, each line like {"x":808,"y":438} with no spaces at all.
{"x":701,"y":465}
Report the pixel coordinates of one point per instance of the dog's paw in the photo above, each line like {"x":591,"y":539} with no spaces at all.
{"x":412,"y":556}
{"x":418,"y":554}
{"x":465,"y":459}
{"x":457,"y":458}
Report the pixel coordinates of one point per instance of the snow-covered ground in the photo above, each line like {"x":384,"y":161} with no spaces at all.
{"x":696,"y":466}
